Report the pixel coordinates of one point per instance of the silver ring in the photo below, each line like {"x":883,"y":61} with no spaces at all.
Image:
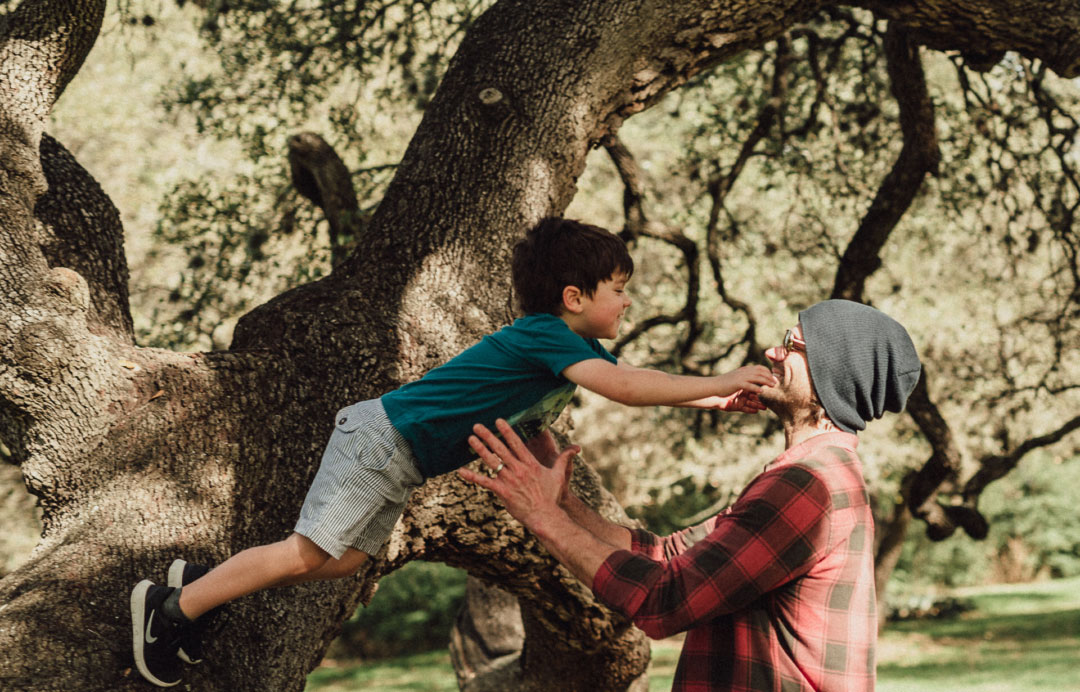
{"x":499,"y":468}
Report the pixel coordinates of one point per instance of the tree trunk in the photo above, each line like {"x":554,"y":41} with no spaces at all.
{"x":890,"y":535}
{"x":140,"y":455}
{"x":488,"y":633}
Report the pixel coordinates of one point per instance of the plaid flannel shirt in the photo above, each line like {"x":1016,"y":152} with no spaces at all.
{"x":776,"y":593}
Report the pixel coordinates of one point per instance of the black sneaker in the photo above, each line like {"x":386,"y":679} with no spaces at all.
{"x":182,"y":573}
{"x":155,"y":637}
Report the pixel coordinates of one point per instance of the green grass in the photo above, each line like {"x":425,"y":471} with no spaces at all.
{"x":426,"y":672}
{"x":1023,"y":638}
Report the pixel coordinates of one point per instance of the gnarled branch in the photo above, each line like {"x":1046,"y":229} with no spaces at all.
{"x":919,"y":156}
{"x":83,"y":233}
{"x":942,"y":467}
{"x":638,"y":225}
{"x":321,"y":176}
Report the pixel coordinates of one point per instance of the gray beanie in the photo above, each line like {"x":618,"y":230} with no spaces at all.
{"x":861,"y":360}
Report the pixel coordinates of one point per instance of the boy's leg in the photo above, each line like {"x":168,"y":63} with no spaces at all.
{"x":160,"y":632}
{"x":338,"y":568}
{"x":252,"y":570}
{"x":183,"y":574}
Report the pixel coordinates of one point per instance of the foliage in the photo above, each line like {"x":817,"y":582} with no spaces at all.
{"x":413,"y":611}
{"x":772,"y":241}
{"x":1034,"y":532}
{"x":357,"y":73}
{"x":768,"y":164}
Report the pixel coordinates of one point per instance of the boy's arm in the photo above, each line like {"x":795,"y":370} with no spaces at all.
{"x":632,"y":386}
{"x":707,"y":402}
{"x":741,"y":401}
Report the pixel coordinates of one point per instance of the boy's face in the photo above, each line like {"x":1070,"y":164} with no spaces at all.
{"x":602,"y":311}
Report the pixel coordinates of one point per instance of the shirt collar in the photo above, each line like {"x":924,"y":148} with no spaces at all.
{"x":808,"y":447}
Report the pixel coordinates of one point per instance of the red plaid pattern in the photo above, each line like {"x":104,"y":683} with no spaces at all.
{"x":776,"y":593}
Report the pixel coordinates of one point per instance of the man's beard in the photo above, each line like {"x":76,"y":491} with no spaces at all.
{"x":787,"y":405}
{"x":790,"y":406}
{"x":775,"y":401}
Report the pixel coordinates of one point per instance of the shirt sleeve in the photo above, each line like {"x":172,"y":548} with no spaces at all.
{"x":775,"y":532}
{"x":548,"y":342}
{"x":664,"y":548}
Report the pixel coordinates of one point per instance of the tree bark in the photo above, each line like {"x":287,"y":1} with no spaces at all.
{"x":140,"y":455}
{"x":320,"y":175}
{"x":1040,"y":30}
{"x":488,"y":633}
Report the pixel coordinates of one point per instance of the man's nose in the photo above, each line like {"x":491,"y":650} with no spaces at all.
{"x":775,"y":354}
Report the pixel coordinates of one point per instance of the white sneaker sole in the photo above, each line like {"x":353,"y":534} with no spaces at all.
{"x":138,"y":631}
{"x":176,"y":573}
{"x":176,"y":580}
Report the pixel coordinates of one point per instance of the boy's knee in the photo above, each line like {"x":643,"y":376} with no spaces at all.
{"x":309,"y":557}
{"x":350,"y":562}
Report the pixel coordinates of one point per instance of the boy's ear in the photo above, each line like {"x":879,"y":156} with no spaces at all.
{"x":571,"y":299}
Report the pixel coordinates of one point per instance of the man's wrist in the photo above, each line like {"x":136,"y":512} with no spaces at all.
{"x":545,"y":523}
{"x":573,"y":505}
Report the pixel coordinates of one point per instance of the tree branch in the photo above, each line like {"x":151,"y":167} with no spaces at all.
{"x":637,"y":225}
{"x":319,"y":174}
{"x":83,"y":232}
{"x":720,"y":185}
{"x":43,"y":44}
{"x":1049,"y":30}
{"x":919,"y":156}
{"x":995,"y":466}
{"x":943,"y":466}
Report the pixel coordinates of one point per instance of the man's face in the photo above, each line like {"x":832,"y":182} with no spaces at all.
{"x":793,"y":391}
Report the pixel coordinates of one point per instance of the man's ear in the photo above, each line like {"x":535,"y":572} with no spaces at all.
{"x":572,"y":299}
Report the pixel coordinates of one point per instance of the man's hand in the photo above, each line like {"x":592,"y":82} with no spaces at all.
{"x":546,"y":450}
{"x":538,"y":496}
{"x":527,"y":487}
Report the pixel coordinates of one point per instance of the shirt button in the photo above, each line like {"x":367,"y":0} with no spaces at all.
{"x":342,"y":421}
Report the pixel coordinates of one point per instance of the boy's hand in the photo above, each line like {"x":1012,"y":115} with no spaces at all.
{"x":741,"y":401}
{"x":544,"y":448}
{"x":749,"y":379}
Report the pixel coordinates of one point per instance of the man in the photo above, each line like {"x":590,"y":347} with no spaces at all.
{"x":777,"y":592}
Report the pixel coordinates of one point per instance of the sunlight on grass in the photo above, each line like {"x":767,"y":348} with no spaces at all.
{"x":1020,"y":638}
{"x":427,"y":672}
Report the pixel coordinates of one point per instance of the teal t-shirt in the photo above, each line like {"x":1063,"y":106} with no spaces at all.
{"x":512,"y":374}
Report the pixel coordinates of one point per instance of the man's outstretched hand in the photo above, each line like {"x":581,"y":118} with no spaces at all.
{"x":531,"y":480}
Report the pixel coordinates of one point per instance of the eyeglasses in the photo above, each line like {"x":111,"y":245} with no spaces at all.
{"x":792,"y":343}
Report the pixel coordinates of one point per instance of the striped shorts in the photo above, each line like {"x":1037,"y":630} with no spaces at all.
{"x":366,"y":476}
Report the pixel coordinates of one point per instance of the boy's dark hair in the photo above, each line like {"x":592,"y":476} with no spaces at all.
{"x":560,"y":252}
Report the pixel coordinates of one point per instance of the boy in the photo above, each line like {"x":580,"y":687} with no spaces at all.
{"x":570,"y":279}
